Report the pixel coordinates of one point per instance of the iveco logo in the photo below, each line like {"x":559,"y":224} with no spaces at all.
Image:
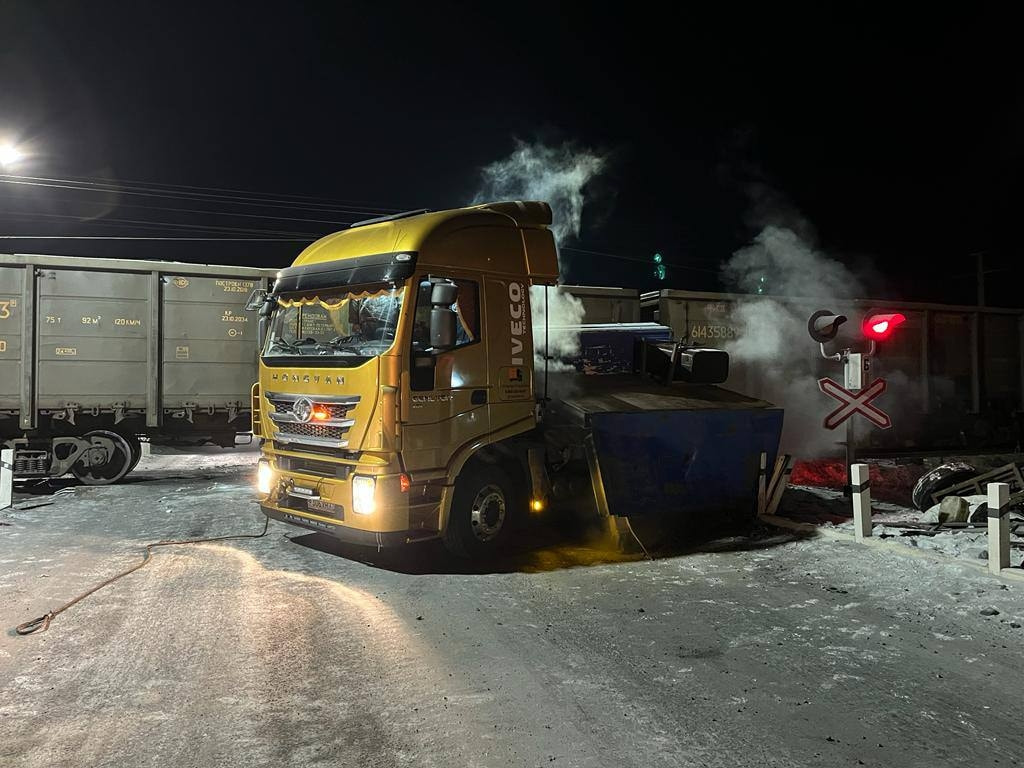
{"x":303,"y":409}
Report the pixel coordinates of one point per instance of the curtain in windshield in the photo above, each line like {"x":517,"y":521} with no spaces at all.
{"x":339,"y":325}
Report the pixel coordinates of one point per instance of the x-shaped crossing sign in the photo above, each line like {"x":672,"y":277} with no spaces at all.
{"x":855,"y":402}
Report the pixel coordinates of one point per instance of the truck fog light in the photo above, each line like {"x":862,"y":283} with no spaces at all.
{"x":264,"y":477}
{"x":363,"y":488}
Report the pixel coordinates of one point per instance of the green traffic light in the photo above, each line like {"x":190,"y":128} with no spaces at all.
{"x":659,"y":271}
{"x":657,"y":258}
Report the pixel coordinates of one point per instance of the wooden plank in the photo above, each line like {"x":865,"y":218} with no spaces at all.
{"x":780,"y":485}
{"x":762,"y":469}
{"x":780,"y":465}
{"x":1008,"y":473}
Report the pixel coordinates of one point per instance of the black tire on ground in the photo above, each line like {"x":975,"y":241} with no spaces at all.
{"x":116,"y":466}
{"x":482,"y":511}
{"x":941,"y":477}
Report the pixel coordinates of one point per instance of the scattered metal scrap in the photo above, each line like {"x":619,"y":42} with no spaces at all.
{"x":975,"y":486}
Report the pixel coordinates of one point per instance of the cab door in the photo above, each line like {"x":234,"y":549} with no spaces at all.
{"x":445,"y":404}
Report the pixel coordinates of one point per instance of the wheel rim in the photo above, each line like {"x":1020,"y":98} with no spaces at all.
{"x":487,"y":513}
{"x":119,"y":459}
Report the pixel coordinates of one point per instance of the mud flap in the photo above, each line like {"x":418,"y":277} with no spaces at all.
{"x":617,"y":532}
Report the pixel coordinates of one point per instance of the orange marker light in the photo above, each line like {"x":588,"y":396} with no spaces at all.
{"x":404,"y":483}
{"x":321,"y":414}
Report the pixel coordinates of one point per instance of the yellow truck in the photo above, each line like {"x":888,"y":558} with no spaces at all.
{"x":396,"y":398}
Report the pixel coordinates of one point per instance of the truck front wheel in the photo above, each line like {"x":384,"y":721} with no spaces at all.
{"x":481,"y":512}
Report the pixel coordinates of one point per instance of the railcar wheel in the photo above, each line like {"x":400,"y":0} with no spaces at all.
{"x":107,"y":461}
{"x":136,"y":447}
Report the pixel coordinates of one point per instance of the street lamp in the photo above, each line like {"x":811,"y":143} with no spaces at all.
{"x":10,"y":155}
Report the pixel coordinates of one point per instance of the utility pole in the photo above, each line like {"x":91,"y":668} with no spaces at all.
{"x":980,"y":258}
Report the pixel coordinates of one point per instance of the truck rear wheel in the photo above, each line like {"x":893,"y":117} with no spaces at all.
{"x":481,"y":512}
{"x":106,"y":462}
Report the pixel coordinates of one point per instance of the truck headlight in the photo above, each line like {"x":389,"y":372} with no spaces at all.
{"x":363,"y":488}
{"x":264,"y":477}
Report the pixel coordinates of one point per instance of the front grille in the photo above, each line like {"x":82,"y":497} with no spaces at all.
{"x":338,"y":410}
{"x":326,"y":436}
{"x":283,"y":404}
{"x":312,"y":430}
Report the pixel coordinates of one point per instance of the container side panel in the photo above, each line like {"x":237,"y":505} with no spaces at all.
{"x":91,"y":329}
{"x":710,"y":323}
{"x":209,"y":342}
{"x":11,"y":284}
{"x":684,"y":464}
{"x":950,"y":346}
{"x":1001,"y":362}
{"x":87,"y":284}
{"x":235,"y":291}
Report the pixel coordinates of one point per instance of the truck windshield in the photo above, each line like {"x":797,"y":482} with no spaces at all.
{"x":336,"y":324}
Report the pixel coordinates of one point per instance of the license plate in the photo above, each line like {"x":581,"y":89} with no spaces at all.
{"x":326,"y":508}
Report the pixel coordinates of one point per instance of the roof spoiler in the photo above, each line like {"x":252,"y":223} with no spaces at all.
{"x":526,"y":213}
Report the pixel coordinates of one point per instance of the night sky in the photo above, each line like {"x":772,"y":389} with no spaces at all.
{"x":898,"y":139}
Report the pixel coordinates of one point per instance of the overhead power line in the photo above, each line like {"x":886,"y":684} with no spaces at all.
{"x":228,"y":214}
{"x":135,"y":191}
{"x":143,"y":224}
{"x":163,"y":239}
{"x":282,"y":195}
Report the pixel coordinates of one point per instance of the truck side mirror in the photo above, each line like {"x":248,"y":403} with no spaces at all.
{"x":442,"y":317}
{"x":442,"y":328}
{"x":256,"y":300}
{"x":443,"y":294}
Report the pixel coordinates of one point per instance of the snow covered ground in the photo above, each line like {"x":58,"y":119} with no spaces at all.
{"x":293,"y":650}
{"x":829,"y":508}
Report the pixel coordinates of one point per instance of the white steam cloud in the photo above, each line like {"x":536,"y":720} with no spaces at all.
{"x":565,"y":312}
{"x":773,"y":358}
{"x":555,"y":174}
{"x":791,"y":266}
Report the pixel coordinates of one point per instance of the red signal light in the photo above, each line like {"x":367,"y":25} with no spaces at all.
{"x":880,"y":327}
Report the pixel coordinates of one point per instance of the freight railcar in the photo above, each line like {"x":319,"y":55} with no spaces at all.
{"x":955,"y":373}
{"x":97,"y":354}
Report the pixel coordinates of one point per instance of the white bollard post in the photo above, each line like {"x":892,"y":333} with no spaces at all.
{"x":6,"y":478}
{"x":998,"y":527}
{"x":147,"y":447}
{"x":860,"y":492}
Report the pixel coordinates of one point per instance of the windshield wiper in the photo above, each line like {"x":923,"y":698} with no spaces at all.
{"x":297,"y":346}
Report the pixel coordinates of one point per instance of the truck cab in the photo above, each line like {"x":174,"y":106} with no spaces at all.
{"x":395,"y":399}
